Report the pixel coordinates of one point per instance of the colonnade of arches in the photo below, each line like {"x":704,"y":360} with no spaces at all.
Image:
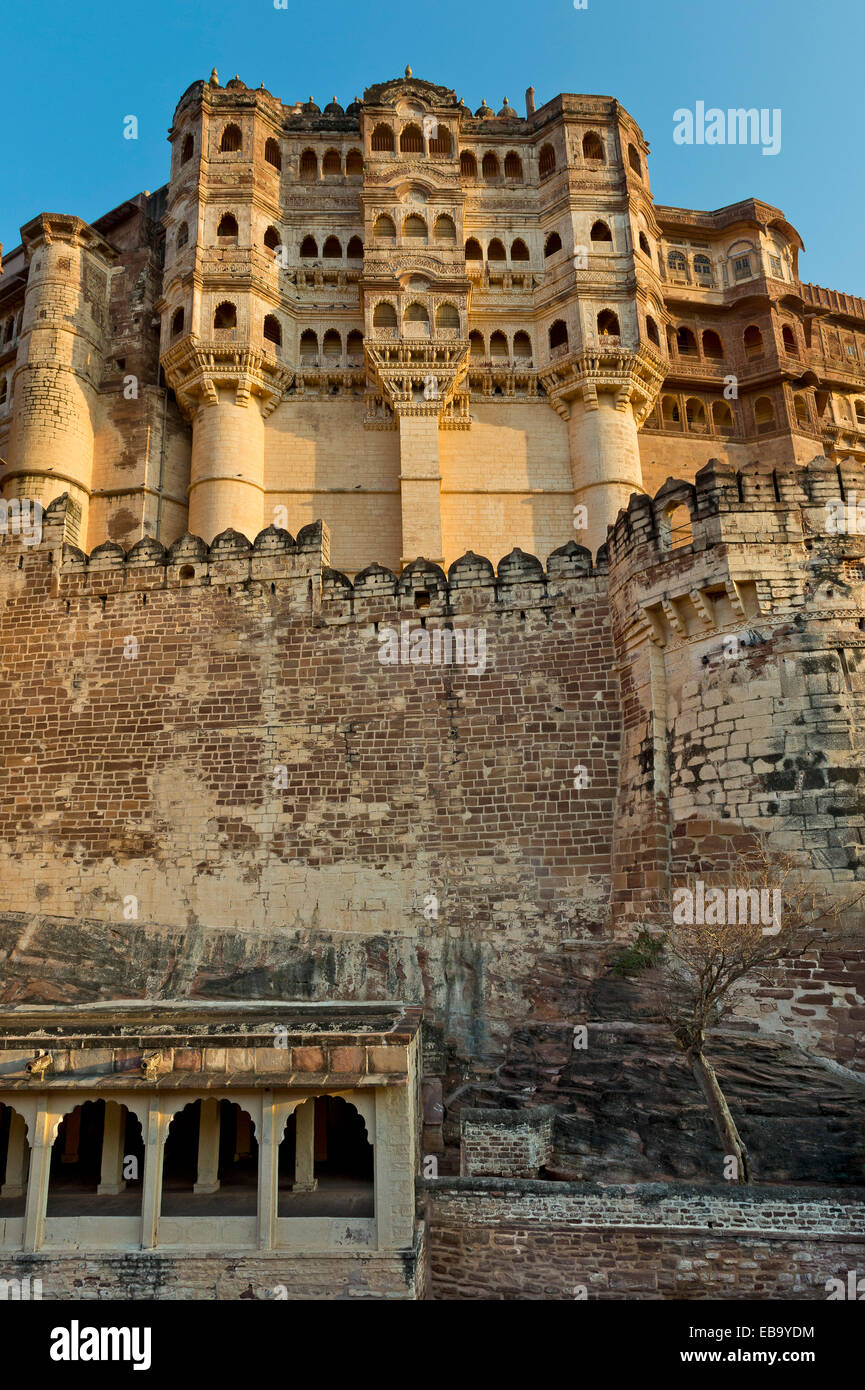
{"x":209,"y":1167}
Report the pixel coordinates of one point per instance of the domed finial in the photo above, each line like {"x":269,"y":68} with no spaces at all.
{"x":310,"y":97}
{"x":214,"y":78}
{"x":333,"y":98}
{"x":408,"y":71}
{"x":237,"y":79}
{"x":507,"y":103}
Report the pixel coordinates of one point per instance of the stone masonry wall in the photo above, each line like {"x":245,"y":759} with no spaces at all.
{"x":537,"y":1240}
{"x":216,"y":788}
{"x":505,"y":1143}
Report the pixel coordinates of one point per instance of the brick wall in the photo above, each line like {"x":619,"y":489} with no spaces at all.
{"x":535,"y":1240}
{"x":505,"y":1143}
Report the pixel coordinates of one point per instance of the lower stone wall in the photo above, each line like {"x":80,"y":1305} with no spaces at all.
{"x":540,"y":1240}
{"x":138,"y":1275}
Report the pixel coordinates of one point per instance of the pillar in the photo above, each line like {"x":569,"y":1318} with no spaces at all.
{"x":420,"y":488}
{"x":111,"y":1180}
{"x":154,"y":1154}
{"x":37,"y":1181}
{"x":605,"y":461}
{"x":304,"y":1148}
{"x":207,"y":1179}
{"x":268,"y":1174}
{"x":17,"y":1159}
{"x":226,"y":488}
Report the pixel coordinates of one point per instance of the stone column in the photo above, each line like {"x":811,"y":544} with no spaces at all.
{"x":268,"y":1174}
{"x":226,"y":486}
{"x":304,"y":1148}
{"x":420,"y":487}
{"x":207,"y":1179}
{"x":112,"y":1181}
{"x":154,"y":1154}
{"x":17,"y":1159}
{"x":37,"y":1182}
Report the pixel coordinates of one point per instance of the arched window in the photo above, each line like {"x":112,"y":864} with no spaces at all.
{"x":225,"y":317}
{"x":473,"y":250}
{"x":513,"y":167}
{"x":89,"y":1160}
{"x":547,"y":161}
{"x":384,"y":315}
{"x":354,"y":250}
{"x":490,"y":165}
{"x":592,"y":146}
{"x":860,"y":412}
{"x":552,"y":244}
{"x":600,"y":232}
{"x":675,"y":528}
{"x":332,"y":162}
{"x":686,"y":342}
{"x":558,"y":335}
{"x":354,"y":348}
{"x":414,"y":228}
{"x":411,"y":139}
{"x":722,"y":417}
{"x":441,"y":143}
{"x":382,"y":138}
{"x":800,"y":409}
{"x":416,"y":320}
{"x":676,"y":262}
{"x":476,"y":344}
{"x":182,"y":235}
{"x":308,"y":248}
{"x":354,"y":164}
{"x":272,"y":330}
{"x":325,"y":1145}
{"x":332,"y":249}
{"x":332,"y":345}
{"x":608,"y":324}
{"x":695,"y":414}
{"x":764,"y":414}
{"x":519,"y":250}
{"x":523,"y":346}
{"x":468,"y":165}
{"x":498,"y":345}
{"x":670,"y":411}
{"x":188,"y":150}
{"x":384,"y":226}
{"x":789,"y":340}
{"x":231,"y":139}
{"x":496,"y":250}
{"x":14,"y":1143}
{"x":176,"y":325}
{"x":703,"y":269}
{"x":272,"y":154}
{"x":308,"y":348}
{"x":634,"y":160}
{"x":227,"y":226}
{"x":272,"y":239}
{"x":712,"y":346}
{"x":445,"y":230}
{"x":211,"y":1149}
{"x":644,"y":245}
{"x":652,"y":331}
{"x":448,"y":316}
{"x":309,"y":166}
{"x":753,"y":341}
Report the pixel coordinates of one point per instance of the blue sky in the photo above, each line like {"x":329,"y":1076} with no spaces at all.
{"x":73,"y":71}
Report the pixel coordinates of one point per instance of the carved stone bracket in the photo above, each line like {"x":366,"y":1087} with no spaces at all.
{"x":196,"y":368}
{"x":634,"y":377}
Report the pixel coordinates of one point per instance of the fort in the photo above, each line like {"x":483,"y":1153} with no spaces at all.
{"x":283,"y":921}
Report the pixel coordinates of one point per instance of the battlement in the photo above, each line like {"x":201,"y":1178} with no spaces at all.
{"x":275,"y":556}
{"x":756,"y":505}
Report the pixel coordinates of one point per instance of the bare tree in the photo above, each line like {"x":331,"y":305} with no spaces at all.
{"x":702,"y":940}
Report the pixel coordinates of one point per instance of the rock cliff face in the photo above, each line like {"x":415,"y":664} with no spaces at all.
{"x":217,"y":787}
